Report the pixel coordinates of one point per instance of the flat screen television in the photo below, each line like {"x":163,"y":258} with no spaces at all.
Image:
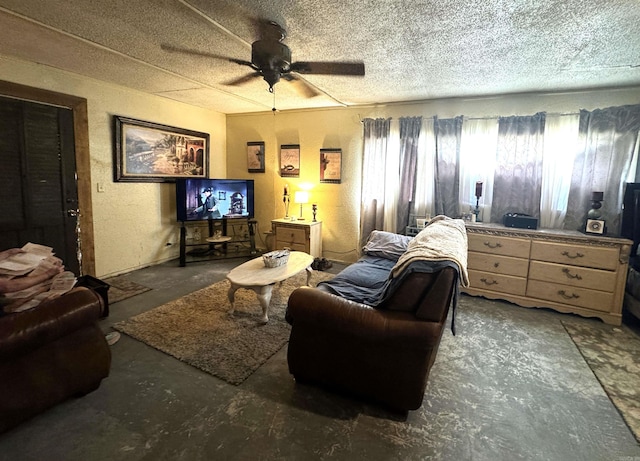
{"x":204,"y":199}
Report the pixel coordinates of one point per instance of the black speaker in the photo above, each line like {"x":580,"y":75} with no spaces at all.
{"x":520,"y":221}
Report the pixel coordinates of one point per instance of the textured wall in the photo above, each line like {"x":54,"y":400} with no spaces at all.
{"x":338,"y":204}
{"x":338,"y":207}
{"x":133,"y":222}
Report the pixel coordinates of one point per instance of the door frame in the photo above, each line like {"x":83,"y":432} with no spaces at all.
{"x":83,"y":159}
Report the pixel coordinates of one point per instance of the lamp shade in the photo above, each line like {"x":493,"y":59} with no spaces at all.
{"x":301,"y":196}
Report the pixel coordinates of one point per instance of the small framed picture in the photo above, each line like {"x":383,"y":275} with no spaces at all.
{"x":255,"y":157}
{"x":595,"y":226}
{"x":331,"y":165}
{"x":290,"y":160}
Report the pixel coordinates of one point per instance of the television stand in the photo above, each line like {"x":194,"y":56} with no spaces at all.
{"x":235,"y":239}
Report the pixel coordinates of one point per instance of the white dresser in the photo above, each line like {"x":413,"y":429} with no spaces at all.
{"x":303,"y":236}
{"x":563,"y":270}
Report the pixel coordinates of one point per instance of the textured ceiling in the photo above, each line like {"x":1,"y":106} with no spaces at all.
{"x":412,"y":50}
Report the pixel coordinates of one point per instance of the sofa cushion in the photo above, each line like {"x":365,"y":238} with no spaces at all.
{"x":386,"y":245}
{"x":362,"y":281}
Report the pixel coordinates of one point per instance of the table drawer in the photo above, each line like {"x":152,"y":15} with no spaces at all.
{"x":497,"y":282}
{"x":575,"y":296}
{"x":506,"y":246}
{"x":290,"y":235}
{"x":497,"y":264}
{"x":576,"y":255}
{"x":574,"y":275}
{"x":280,"y":245}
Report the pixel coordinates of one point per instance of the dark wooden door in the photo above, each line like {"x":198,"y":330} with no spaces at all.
{"x":38,"y":190}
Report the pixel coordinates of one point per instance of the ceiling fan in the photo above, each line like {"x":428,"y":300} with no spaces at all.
{"x":271,"y":60}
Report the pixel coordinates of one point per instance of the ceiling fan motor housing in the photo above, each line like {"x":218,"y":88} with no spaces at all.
{"x":273,"y":58}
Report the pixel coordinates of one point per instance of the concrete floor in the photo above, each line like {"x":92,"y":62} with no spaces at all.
{"x":154,"y":407}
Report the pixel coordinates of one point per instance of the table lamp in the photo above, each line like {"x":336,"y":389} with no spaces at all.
{"x":301,"y":197}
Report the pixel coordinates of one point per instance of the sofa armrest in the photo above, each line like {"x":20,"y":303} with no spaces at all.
{"x":321,"y":310}
{"x":25,"y":331}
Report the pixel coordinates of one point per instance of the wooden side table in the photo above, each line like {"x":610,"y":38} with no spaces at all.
{"x":303,"y":236}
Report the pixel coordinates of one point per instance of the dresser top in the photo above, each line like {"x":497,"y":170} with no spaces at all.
{"x":501,"y":229}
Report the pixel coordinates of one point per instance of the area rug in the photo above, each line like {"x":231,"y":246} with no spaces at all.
{"x":121,"y":288}
{"x":198,"y":329}
{"x":613,"y":354}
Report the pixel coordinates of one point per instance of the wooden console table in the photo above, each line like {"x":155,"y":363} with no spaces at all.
{"x":567,"y":271}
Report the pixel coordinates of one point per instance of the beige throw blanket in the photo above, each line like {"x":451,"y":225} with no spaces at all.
{"x":444,"y":239}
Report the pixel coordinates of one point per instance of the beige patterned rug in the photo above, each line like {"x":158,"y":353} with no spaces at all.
{"x":613,"y":354}
{"x":198,"y":329}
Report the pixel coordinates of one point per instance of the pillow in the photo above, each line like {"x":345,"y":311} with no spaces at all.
{"x":386,"y":245}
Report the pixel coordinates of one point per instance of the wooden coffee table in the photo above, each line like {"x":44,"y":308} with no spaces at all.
{"x":254,"y":275}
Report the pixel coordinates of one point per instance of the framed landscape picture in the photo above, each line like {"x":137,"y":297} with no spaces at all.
{"x":290,"y":160}
{"x":331,"y":166}
{"x":150,"y":152}
{"x":255,"y":157}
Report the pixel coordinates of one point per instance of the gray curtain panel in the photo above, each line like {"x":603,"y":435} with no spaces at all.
{"x":447,"y":181}
{"x":607,"y":141}
{"x":409,"y":136}
{"x":518,"y":177}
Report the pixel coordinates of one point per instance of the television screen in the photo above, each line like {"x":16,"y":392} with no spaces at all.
{"x":202,"y":199}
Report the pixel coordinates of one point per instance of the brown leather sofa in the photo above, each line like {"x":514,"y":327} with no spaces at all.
{"x":50,"y":353}
{"x":382,"y":354}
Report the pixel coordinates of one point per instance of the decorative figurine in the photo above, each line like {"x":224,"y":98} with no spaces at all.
{"x":314,"y":209}
{"x":476,"y":213}
{"x":285,"y":200}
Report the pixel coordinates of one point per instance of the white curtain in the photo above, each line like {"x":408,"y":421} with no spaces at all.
{"x":424,"y":192}
{"x":391,"y":183}
{"x":477,"y":163}
{"x":560,"y":144}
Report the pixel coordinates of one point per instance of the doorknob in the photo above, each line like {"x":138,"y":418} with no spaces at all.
{"x":73,"y":213}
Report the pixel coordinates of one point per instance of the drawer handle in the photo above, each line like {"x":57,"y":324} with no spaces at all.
{"x":566,"y":296}
{"x":490,"y":245}
{"x":488,"y":282}
{"x":568,"y":273}
{"x":577,"y":255}
{"x":496,"y":264}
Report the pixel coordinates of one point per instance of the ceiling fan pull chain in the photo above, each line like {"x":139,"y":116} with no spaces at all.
{"x":273,"y":109}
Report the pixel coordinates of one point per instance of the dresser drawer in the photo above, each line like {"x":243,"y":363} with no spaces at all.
{"x":497,"y":282}
{"x":574,"y":296}
{"x":573,"y":275}
{"x":497,"y":264}
{"x":576,"y":255}
{"x":506,"y":246}
{"x":291,"y":235}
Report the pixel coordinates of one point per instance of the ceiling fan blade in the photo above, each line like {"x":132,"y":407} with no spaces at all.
{"x":328,"y":68}
{"x":242,"y":80}
{"x":175,"y":49}
{"x":301,"y":86}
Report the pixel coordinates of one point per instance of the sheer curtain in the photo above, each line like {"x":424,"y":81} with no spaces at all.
{"x":518,"y":173}
{"x":607,"y":146}
{"x":478,"y":145}
{"x":423,"y":199}
{"x":376,"y":136}
{"x":560,"y":141}
{"x":447,"y":166}
{"x":391,"y":184}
